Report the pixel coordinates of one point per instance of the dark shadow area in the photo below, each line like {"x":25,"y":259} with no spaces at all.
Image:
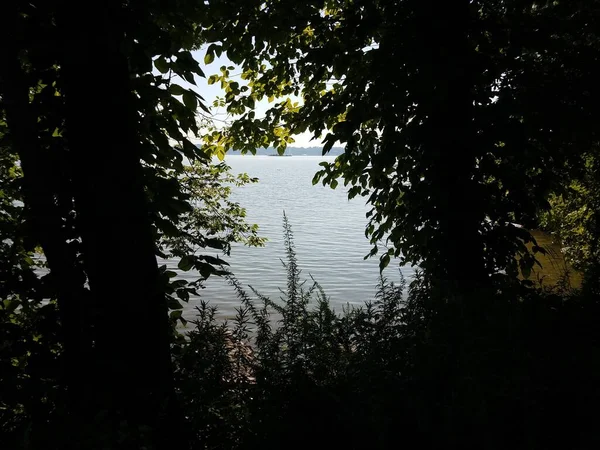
{"x":520,"y":370}
{"x":462,"y":126}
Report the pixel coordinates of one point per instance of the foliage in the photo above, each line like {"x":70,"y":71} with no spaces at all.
{"x":281,"y":366}
{"x":16,"y":251}
{"x":454,"y":118}
{"x":214,"y":218}
{"x":457,"y":119}
{"x":214,"y":221}
{"x":169,"y":111}
{"x":572,"y":218}
{"x":31,"y":376}
{"x":398,"y":368}
{"x":212,"y":380}
{"x":395,"y":370}
{"x":88,"y":188}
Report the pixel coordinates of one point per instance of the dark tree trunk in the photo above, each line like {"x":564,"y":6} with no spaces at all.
{"x":461,"y":294}
{"x":40,"y":204}
{"x":132,"y":366}
{"x":451,"y":146}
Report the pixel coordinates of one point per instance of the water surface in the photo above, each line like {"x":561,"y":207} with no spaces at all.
{"x":328,"y":235}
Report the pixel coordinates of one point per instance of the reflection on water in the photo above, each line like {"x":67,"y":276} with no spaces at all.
{"x":328,"y":234}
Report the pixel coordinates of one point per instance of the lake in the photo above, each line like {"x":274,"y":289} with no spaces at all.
{"x":328,"y":235}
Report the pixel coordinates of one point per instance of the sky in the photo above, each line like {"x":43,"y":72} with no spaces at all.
{"x":211,"y":92}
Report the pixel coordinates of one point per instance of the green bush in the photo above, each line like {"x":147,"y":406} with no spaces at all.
{"x":505,"y":366}
{"x":282,"y":367}
{"x":31,"y":375}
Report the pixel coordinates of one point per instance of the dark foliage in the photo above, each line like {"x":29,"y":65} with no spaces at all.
{"x":522,"y":374}
{"x":457,"y":120}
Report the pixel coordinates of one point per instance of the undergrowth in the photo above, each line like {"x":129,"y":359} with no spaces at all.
{"x":504,"y":367}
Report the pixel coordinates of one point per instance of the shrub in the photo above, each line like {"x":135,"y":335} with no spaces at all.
{"x":295,"y":364}
{"x":502,"y":367}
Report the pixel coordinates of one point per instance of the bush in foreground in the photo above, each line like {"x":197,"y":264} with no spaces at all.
{"x":504,"y":367}
{"x":507,"y":366}
{"x":286,"y":368}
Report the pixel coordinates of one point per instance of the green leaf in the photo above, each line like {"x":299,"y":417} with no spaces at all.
{"x":526,"y":270}
{"x":161,"y":64}
{"x":186,"y":263}
{"x":173,"y":303}
{"x":189,"y":77}
{"x":214,"y":243}
{"x":180,"y":206}
{"x":192,"y":151}
{"x":190,"y":100}
{"x":169,"y":229}
{"x":317,"y":177}
{"x":10,"y":305}
{"x":213,"y":260}
{"x":333,"y":184}
{"x":353,"y":192}
{"x":206,"y":270}
{"x":384,"y":261}
{"x":179,"y":284}
{"x":328,"y":145}
{"x":204,"y":107}
{"x":183,"y":295}
{"x":175,"y":315}
{"x":175,"y":89}
{"x":209,"y":57}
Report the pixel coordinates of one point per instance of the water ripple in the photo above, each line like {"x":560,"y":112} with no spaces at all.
{"x":328,"y":235}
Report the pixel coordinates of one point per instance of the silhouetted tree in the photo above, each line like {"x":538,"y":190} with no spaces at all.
{"x":457,"y":119}
{"x":105,"y":192}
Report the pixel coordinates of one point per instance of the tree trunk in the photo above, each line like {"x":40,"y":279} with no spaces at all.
{"x":459,"y":275}
{"x":41,"y":209}
{"x":132,"y":366}
{"x":451,"y":147}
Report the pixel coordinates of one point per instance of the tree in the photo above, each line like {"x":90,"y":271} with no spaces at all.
{"x":215,"y":221}
{"x":457,"y":119}
{"x":92,"y":128}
